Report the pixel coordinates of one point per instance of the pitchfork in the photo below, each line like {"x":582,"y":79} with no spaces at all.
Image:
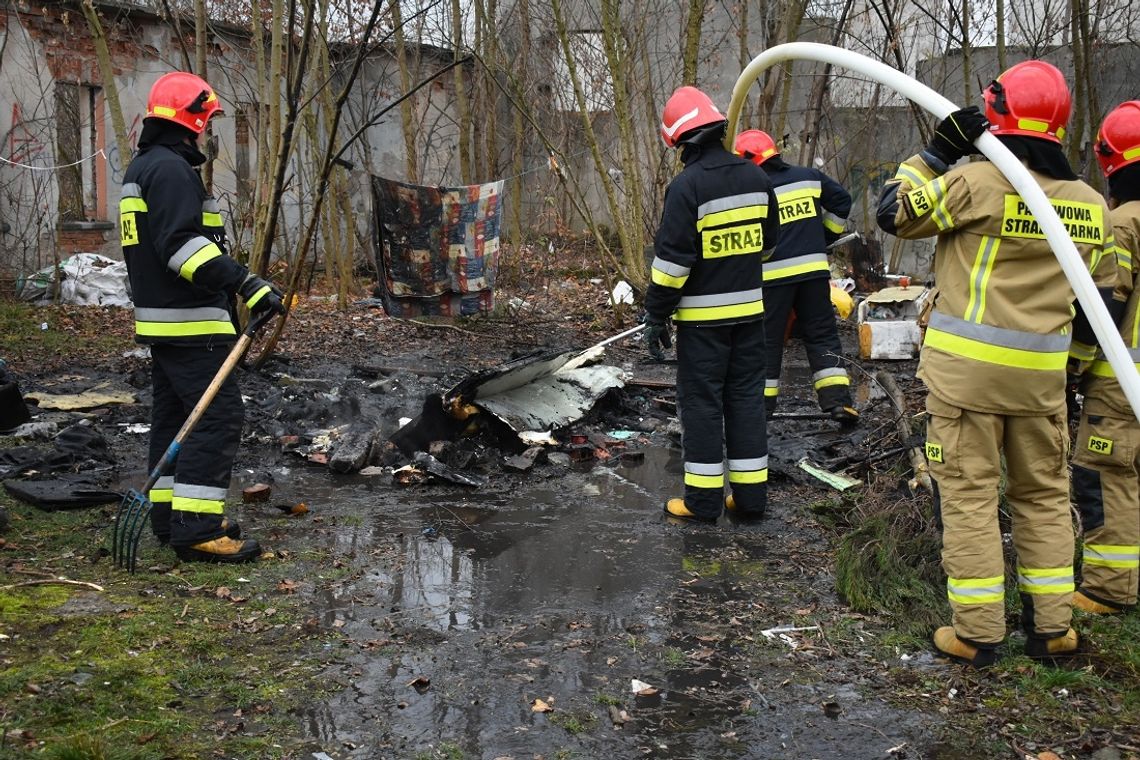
{"x":134,"y":510}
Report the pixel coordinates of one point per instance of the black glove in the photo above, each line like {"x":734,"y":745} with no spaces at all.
{"x":260,"y":295}
{"x":657,"y":335}
{"x":954,"y":136}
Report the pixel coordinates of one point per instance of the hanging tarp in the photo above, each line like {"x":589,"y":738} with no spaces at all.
{"x":437,"y":247}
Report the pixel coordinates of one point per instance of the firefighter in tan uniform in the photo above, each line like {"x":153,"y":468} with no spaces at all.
{"x":1106,"y":458}
{"x":994,"y":358}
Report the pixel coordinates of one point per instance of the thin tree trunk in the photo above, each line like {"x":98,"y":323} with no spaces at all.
{"x":1001,"y":34}
{"x":520,"y":130}
{"x":819,"y":90}
{"x":461,"y":103}
{"x":407,"y":108}
{"x":966,"y":51}
{"x":201,"y":43}
{"x":107,"y":74}
{"x":693,"y":23}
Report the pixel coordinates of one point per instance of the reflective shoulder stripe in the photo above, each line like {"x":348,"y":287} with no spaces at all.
{"x":911,"y":174}
{"x":798,"y":190}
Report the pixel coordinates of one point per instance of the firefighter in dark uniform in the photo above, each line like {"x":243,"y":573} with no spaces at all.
{"x":707,"y":276}
{"x":183,"y":283}
{"x":813,"y":212}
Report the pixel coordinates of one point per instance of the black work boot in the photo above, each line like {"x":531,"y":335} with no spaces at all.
{"x":848,"y":416}
{"x":220,"y":550}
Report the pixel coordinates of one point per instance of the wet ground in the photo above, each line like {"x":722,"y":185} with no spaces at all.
{"x":557,"y":613}
{"x":464,"y":609}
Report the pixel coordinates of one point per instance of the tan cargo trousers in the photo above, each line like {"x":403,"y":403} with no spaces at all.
{"x":964,"y":449}
{"x":1106,"y":488}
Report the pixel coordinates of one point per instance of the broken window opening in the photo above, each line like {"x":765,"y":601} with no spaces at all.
{"x":79,"y":136}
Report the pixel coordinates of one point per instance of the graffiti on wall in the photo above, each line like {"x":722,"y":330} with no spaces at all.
{"x":24,"y":144}
{"x":115,"y":162}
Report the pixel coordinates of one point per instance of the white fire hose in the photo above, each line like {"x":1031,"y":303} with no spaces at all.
{"x":1000,"y":156}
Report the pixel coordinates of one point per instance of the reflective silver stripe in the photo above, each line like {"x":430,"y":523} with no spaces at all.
{"x":132,"y":190}
{"x":199,"y":314}
{"x":791,"y":187}
{"x":1037,"y":581}
{"x":795,"y":261}
{"x":188,"y":249}
{"x":1131,"y":554}
{"x":983,"y":268}
{"x":833,"y":372}
{"x":701,"y":468}
{"x":669,"y":268}
{"x":748,"y":465}
{"x":771,"y":383}
{"x":166,"y":482}
{"x":721,"y":299}
{"x":997,"y":588}
{"x":999,"y":336}
{"x":732,"y":201}
{"x":210,"y":206}
{"x":199,"y":492}
{"x":834,"y":218}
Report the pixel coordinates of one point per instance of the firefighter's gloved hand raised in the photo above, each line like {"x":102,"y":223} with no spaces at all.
{"x":260,"y":295}
{"x":954,"y":136}
{"x":657,"y":335}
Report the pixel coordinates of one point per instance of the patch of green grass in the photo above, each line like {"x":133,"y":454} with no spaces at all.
{"x":445,"y":751}
{"x":601,"y":698}
{"x":673,"y":657}
{"x":574,"y":722}
{"x":153,"y":666}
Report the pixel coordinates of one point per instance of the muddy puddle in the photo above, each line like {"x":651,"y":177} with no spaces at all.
{"x":464,"y":608}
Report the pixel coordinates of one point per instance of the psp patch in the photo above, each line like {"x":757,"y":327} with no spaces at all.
{"x":934,"y":452}
{"x":1099,"y":445}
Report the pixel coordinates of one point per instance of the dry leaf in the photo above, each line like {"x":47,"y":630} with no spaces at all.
{"x":287,"y":586}
{"x":1047,"y":755}
{"x":540,"y":707}
{"x":419,"y":682}
{"x":222,"y":592}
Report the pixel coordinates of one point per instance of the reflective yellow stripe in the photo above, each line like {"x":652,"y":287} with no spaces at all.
{"x":257,"y":296}
{"x":832,"y":225}
{"x":772,"y":391}
{"x":166,"y":111}
{"x":777,"y":272}
{"x":191,"y":265}
{"x":829,"y":381}
{"x":941,"y":213}
{"x":1082,"y":351}
{"x":667,"y":280}
{"x":711,"y":313}
{"x":132,"y":204}
{"x":976,"y":590}
{"x":704,"y":481}
{"x":161,"y":494}
{"x":183,"y":329}
{"x":202,"y":506}
{"x":752,"y":476}
{"x":911,"y":174}
{"x":795,"y":195}
{"x":980,"y":277}
{"x":990,"y":354}
{"x":732,"y":215}
{"x":1112,"y":555}
{"x":211,"y":219}
{"x":1052,"y":580}
{"x":1033,"y":125}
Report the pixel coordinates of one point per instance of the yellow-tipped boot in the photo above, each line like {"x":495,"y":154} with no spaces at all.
{"x":947,"y":643}
{"x":1069,"y":643}
{"x":220,"y":550}
{"x":1085,"y":603}
{"x":676,"y":508}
